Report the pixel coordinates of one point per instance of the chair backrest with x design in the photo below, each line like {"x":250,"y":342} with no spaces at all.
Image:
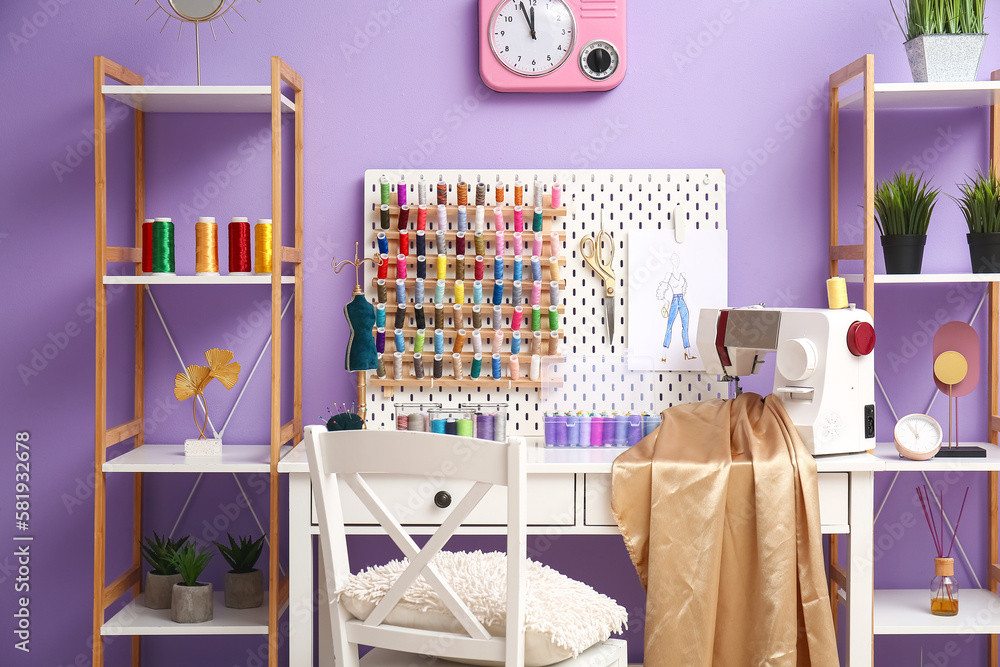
{"x":344,"y":459}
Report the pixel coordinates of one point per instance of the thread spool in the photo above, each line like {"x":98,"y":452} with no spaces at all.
{"x":554,"y":343}
{"x":402,"y":422}
{"x":458,"y":372}
{"x":439,"y":341}
{"x":497,"y":341}
{"x":498,"y":267}
{"x":518,"y":219}
{"x":438,"y":366}
{"x":518,"y":244}
{"x":518,"y":193}
{"x":536,"y":268}
{"x":515,"y":367}
{"x":460,"y":243}
{"x":498,"y":292}
{"x":422,"y":218}
{"x":147,"y":246}
{"x":536,"y":220}
{"x":418,"y":341}
{"x":441,"y":242}
{"x":500,"y":427}
{"x":418,"y":315}
{"x":497,"y":318}
{"x":380,"y":315}
{"x":460,"y":267}
{"x":442,"y":193}
{"x":418,"y":366}
{"x":421,"y":242}
{"x":380,"y":369}
{"x":380,"y":340}
{"x":515,"y":342}
{"x":484,"y":426}
{"x":206,"y":255}
{"x":400,"y":291}
{"x":422,"y":192}
{"x":262,"y":251}
{"x":536,"y":318}
{"x":497,"y":373}
{"x":401,"y":193}
{"x":400,"y":318}
{"x":442,"y":266}
{"x":459,"y":344}
{"x":498,"y":223}
{"x":442,"y":223}
{"x":383,"y":216}
{"x":480,"y":223}
{"x":399,"y":340}
{"x":500,"y":245}
{"x":383,"y":293}
{"x":554,"y":268}
{"x":439,"y":293}
{"x":463,"y":219}
{"x":477,"y":316}
{"x":536,"y":292}
{"x":403,"y":221}
{"x":479,"y":267}
{"x":421,"y":268}
{"x":477,"y":292}
{"x":498,"y":190}
{"x":554,"y":244}
{"x":556,"y":195}
{"x":553,"y":292}
{"x":516,"y":297}
{"x":401,"y":266}
{"x":836,"y":293}
{"x":459,"y":292}
{"x":383,"y":243}
{"x":477,"y":341}
{"x":480,"y":193}
{"x":480,"y":242}
{"x":383,"y":266}
{"x":477,"y":366}
{"x":418,"y":289}
{"x":163,"y":247}
{"x":536,"y":245}
{"x":515,"y":321}
{"x":463,"y":193}
{"x":518,"y":268}
{"x":535,"y":369}
{"x":404,"y":242}
{"x":384,"y":189}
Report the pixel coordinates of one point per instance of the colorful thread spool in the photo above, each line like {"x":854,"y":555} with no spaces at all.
{"x":477,"y":316}
{"x":400,"y":291}
{"x":418,"y":341}
{"x":514,"y":365}
{"x":584,"y":430}
{"x":418,"y":367}
{"x":498,"y":292}
{"x":498,"y":223}
{"x":438,"y":366}
{"x":538,"y":190}
{"x":400,"y":318}
{"x":515,"y":320}
{"x":404,"y":242}
{"x":554,"y":243}
{"x":480,"y":223}
{"x":480,"y":193}
{"x":380,"y":340}
{"x":556,"y":195}
{"x":553,"y":318}
{"x":383,"y":293}
{"x":460,"y":243}
{"x":500,"y":245}
{"x":536,"y":318}
{"x":536,"y":245}
{"x":442,"y":222}
{"x":380,"y":369}
{"x":535,"y":369}
{"x":442,"y":266}
{"x":459,"y":372}
{"x":497,"y":341}
{"x":496,"y":367}
{"x":262,"y":251}
{"x":498,"y":267}
{"x":456,"y":315}
{"x":439,"y":314}
{"x":518,"y":268}
{"x":463,"y":219}
{"x":206,"y":254}
{"x":380,"y":315}
{"x":477,"y":341}
{"x":439,"y":292}
{"x":401,"y":193}
{"x":497,"y":318}
{"x":383,"y":267}
{"x":536,"y":268}
{"x":399,"y":340}
{"x":401,"y":266}
{"x":554,"y":343}
{"x":418,"y":315}
{"x":163,"y":247}
{"x":515,"y":342}
{"x":458,"y":345}
{"x":422,"y":192}
{"x":463,"y":193}
{"x":479,"y":267}
{"x":383,"y":243}
{"x":836,"y":293}
{"x":383,"y":216}
{"x":418,"y":289}
{"x":441,"y":242}
{"x":480,"y":242}
{"x":536,"y":220}
{"x":421,"y":242}
{"x":422,"y":218}
{"x":554,"y":268}
{"x":516,"y":297}
{"x":147,"y":246}
{"x":442,"y":193}
{"x":518,"y":244}
{"x":421,"y":267}
{"x":477,"y":292}
{"x":459,"y":292}
{"x":403,"y":221}
{"x":536,"y":292}
{"x":477,"y":366}
{"x":518,"y":193}
{"x":439,"y":341}
{"x":536,"y":342}
{"x":384,"y":189}
{"x":518,"y":219}
{"x":553,"y":292}
{"x":498,"y":191}
{"x":460,"y":267}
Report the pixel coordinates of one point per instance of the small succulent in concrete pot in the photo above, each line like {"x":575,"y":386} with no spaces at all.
{"x":159,"y":552}
{"x":191,"y":601}
{"x":244,"y":583}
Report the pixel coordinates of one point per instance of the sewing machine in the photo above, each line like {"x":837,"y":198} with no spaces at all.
{"x":824,"y":371}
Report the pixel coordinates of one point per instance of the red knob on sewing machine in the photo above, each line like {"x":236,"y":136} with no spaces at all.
{"x":861,"y":339}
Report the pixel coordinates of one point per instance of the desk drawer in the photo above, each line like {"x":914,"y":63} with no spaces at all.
{"x":833,"y":500}
{"x":551,"y":501}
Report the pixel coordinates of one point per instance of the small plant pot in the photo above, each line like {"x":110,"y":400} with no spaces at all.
{"x":903,"y":253}
{"x":159,"y":589}
{"x":953,"y":57}
{"x":244,"y":590}
{"x":191,"y":604}
{"x":984,"y":251}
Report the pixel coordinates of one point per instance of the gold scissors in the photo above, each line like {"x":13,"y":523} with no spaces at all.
{"x":593,"y":250}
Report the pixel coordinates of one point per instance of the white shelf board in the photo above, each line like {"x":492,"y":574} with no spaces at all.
{"x":170,"y":458}
{"x":137,"y":619}
{"x":886,"y":452}
{"x":947,"y":95}
{"x":264,"y":279}
{"x":925,"y":278}
{"x":197,"y":99}
{"x":908,"y":612}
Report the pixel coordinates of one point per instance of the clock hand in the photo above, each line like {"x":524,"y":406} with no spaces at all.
{"x":531,"y":24}
{"x":533,"y":36}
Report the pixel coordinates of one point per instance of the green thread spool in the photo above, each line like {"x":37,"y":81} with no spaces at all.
{"x":536,"y":318}
{"x":418,"y":342}
{"x":477,"y":366}
{"x":465,"y":427}
{"x":553,"y":318}
{"x":163,"y":246}
{"x":384,"y":187}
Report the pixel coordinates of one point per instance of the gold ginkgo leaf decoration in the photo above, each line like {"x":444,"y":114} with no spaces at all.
{"x":193,"y":381}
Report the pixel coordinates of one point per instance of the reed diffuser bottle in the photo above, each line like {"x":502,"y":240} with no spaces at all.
{"x":944,"y":588}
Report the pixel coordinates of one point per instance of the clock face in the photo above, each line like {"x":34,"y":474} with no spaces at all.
{"x":532,"y":37}
{"x":917,"y":434}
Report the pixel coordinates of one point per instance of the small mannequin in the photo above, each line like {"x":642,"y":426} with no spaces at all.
{"x":360,"y":314}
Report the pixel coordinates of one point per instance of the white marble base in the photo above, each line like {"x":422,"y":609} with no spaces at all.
{"x":204,"y":447}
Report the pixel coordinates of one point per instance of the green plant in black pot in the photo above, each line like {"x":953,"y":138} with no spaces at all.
{"x":244,"y":583}
{"x":159,"y":553}
{"x":980,"y":204}
{"x":191,"y":600}
{"x":903,"y":208}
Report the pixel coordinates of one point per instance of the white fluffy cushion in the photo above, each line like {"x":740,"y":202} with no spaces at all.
{"x":563,"y":617}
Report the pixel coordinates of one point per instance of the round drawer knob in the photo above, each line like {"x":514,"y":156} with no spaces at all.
{"x":442,"y":499}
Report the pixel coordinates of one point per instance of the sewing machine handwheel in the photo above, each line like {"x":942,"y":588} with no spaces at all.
{"x":442,"y":499}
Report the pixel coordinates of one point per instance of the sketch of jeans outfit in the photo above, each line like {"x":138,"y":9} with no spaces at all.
{"x":674,"y":287}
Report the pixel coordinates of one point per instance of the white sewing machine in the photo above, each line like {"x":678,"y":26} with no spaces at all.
{"x":824,"y":371}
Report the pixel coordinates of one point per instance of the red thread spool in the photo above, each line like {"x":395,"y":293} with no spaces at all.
{"x":147,"y":246}
{"x":422,"y":218}
{"x":404,"y":218}
{"x":404,"y":242}
{"x":239,"y":247}
{"x":383,"y":267}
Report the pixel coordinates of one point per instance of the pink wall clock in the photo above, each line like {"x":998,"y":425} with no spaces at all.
{"x":551,"y":46}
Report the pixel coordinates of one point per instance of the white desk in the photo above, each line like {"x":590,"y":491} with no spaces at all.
{"x":570,"y":489}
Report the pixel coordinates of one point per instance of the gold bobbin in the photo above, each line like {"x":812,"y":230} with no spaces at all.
{"x":206,"y":250}
{"x":263,"y":249}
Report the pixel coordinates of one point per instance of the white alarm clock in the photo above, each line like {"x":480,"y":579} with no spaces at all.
{"x":918,"y":437}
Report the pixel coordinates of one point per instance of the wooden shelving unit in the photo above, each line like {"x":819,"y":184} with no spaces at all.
{"x":896,"y":610}
{"x":135,"y":619}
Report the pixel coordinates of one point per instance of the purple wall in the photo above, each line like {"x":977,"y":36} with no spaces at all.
{"x":734,"y":84}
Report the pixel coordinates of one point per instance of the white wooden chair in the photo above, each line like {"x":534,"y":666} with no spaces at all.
{"x":342,"y":458}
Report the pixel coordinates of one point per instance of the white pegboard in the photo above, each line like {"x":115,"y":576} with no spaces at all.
{"x":631,"y":199}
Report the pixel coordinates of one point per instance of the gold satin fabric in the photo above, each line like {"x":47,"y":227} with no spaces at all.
{"x":719,"y":509}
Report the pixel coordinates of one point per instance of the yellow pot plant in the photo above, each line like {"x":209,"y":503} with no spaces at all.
{"x":192,"y":384}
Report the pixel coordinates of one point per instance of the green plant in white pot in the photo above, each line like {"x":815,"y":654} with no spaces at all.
{"x":944,"y":38}
{"x":979,"y":200}
{"x":191,"y":601}
{"x":159,"y":553}
{"x":903,"y":208}
{"x":244,"y":583}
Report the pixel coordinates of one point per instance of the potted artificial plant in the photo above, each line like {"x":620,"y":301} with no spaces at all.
{"x":191,"y":600}
{"x":244,"y":587}
{"x":944,"y":38}
{"x":980,"y":204}
{"x":903,"y":207}
{"x":159,"y":553}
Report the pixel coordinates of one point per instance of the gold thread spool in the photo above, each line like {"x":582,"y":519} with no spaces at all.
{"x":836,"y":293}
{"x":262,"y":246}
{"x":206,"y":247}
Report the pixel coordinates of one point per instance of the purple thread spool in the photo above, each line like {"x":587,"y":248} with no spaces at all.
{"x":401,"y":193}
{"x":584,"y":424}
{"x":572,"y":431}
{"x":560,"y":430}
{"x":621,"y":430}
{"x":596,"y":431}
{"x":634,"y":429}
{"x":608,"y":435}
{"x":380,"y":341}
{"x":484,"y":426}
{"x":550,"y":431}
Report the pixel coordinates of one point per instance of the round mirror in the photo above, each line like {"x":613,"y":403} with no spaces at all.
{"x":196,"y":10}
